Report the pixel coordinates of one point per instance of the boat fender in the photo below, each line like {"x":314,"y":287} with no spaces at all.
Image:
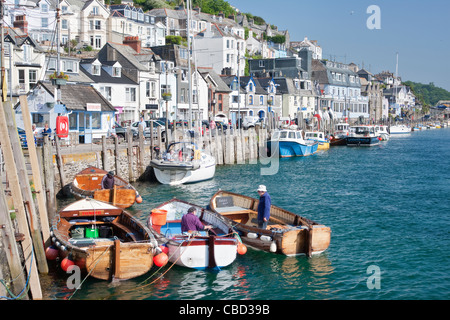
{"x":273,"y":247}
{"x":266,"y":238}
{"x":160,"y":260}
{"x":252,"y":235}
{"x":241,"y":248}
{"x":138,"y":198}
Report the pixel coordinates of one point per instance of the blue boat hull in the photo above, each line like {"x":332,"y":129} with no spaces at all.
{"x":289,"y":149}
{"x":362,"y":141}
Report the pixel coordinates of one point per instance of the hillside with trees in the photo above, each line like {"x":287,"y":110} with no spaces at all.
{"x":428,"y":94}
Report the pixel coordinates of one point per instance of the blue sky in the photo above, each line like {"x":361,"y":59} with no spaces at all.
{"x":418,"y":30}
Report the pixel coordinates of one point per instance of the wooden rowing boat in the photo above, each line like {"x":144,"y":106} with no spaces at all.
{"x":106,"y":241}
{"x":287,"y":233}
{"x":87,"y":184}
{"x":214,"y":250}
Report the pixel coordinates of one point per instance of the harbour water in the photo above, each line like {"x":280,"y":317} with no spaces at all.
{"x":387,"y":206}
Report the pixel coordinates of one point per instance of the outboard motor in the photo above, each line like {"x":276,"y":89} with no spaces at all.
{"x":157,"y":150}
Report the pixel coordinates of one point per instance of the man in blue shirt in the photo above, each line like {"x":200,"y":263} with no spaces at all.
{"x":263,"y":207}
{"x":191,"y":223}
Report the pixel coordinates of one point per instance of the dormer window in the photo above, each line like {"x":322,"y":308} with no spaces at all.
{"x":116,"y":72}
{"x":44,"y":8}
{"x":96,"y":69}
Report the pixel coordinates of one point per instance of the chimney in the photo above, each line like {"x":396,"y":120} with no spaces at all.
{"x":21,"y":23}
{"x":133,"y":42}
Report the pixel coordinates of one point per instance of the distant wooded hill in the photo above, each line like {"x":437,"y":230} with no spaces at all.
{"x":428,"y":94}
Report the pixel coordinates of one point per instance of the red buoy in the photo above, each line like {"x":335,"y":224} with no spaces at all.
{"x":160,"y":260}
{"x":66,"y":263}
{"x":164,"y":249}
{"x":241,"y":248}
{"x":51,"y":253}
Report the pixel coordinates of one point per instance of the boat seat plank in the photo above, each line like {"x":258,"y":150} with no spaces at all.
{"x":124,"y":228}
{"x":229,"y":209}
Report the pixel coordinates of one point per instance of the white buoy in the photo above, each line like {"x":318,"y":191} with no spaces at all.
{"x":273,"y":247}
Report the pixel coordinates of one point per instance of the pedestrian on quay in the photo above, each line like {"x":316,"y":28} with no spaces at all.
{"x":46,"y":131}
{"x":263,"y":207}
{"x":191,"y":223}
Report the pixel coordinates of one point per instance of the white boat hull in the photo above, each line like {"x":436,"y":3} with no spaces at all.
{"x":399,"y":130}
{"x":197,"y":256}
{"x":172,"y":176}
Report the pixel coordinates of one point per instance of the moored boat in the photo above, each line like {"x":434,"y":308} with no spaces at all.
{"x":339,"y":137}
{"x":287,"y":233}
{"x":290,"y":143}
{"x":87,"y":184}
{"x":183,"y":163}
{"x":399,"y":129}
{"x":214,"y":250}
{"x":382,"y":132}
{"x":318,"y":136}
{"x":105,"y":240}
{"x":363,"y":136}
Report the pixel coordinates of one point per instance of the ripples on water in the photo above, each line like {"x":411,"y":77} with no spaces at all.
{"x":387,"y":206}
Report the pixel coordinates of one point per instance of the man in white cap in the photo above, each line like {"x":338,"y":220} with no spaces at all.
{"x":263,"y":207}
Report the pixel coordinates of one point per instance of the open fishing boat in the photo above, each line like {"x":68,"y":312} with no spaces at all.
{"x":287,"y":233}
{"x":214,"y":250}
{"x":183,"y":163}
{"x":399,"y":129}
{"x":382,"y":132}
{"x":339,"y":137}
{"x":103,"y":239}
{"x":318,"y":136}
{"x":87,"y":184}
{"x":291,"y":144}
{"x":363,"y":136}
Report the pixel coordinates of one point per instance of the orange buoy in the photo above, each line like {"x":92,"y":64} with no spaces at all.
{"x":51,"y":253}
{"x":241,"y":248}
{"x":138,"y":198}
{"x":66,"y":263}
{"x":160,"y":260}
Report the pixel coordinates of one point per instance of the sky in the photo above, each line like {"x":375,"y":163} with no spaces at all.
{"x":417,"y":30}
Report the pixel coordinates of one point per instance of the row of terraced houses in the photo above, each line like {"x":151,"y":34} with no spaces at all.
{"x":119,"y":65}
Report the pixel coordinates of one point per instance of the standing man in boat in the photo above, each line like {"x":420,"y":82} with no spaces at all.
{"x":108,"y":180}
{"x":191,"y":223}
{"x":263,"y":207}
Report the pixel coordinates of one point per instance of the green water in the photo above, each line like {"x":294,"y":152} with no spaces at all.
{"x":387,"y":206}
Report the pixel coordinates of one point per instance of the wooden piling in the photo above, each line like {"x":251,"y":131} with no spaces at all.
{"x":27,"y":244}
{"x":36,"y":171}
{"x":11,"y":250}
{"x":104,"y":154}
{"x":130,"y":154}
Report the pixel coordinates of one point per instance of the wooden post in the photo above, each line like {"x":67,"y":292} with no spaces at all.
{"x":49,"y":178}
{"x":130,"y":154}
{"x":10,"y":245}
{"x":141,"y":156}
{"x":36,"y":170}
{"x":59,"y":162}
{"x":24,"y":182}
{"x":116,"y":154}
{"x":104,"y":154}
{"x":151,"y":140}
{"x":21,"y":217}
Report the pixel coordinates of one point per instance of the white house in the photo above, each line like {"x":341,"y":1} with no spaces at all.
{"x":218,"y":48}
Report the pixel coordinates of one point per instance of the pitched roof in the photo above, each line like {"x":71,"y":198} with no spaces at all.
{"x":77,"y":96}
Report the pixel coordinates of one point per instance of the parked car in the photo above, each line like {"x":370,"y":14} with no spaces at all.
{"x":120,"y":131}
{"x":252,"y":121}
{"x":156,"y":124}
{"x":23,"y":137}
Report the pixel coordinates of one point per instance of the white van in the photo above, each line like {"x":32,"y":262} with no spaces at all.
{"x":251,"y":121}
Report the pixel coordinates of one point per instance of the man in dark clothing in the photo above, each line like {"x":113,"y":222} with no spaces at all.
{"x":108,"y":181}
{"x":263,"y":207}
{"x":191,"y":223}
